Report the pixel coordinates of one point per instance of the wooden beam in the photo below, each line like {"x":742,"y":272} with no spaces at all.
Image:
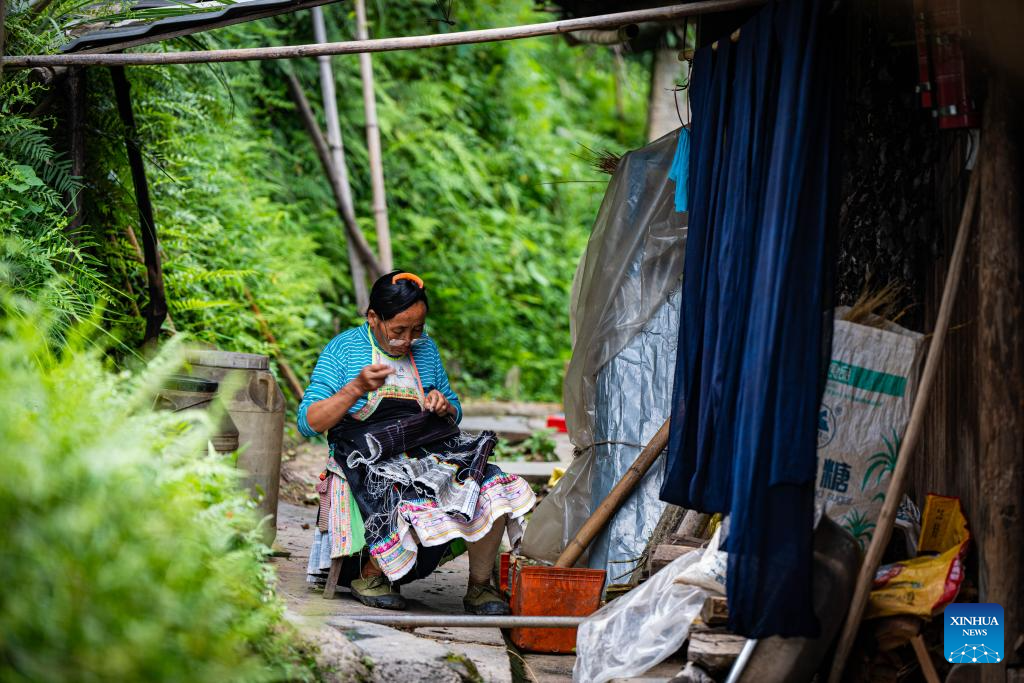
{"x":490,"y":35}
{"x":380,"y":204}
{"x":344,"y":208}
{"x":337,"y":147}
{"x":999,"y":364}
{"x":156,"y":308}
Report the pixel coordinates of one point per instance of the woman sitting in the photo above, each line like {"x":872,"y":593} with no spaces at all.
{"x":404,"y":489}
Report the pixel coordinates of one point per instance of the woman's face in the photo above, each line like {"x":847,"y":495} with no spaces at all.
{"x":396,"y":335}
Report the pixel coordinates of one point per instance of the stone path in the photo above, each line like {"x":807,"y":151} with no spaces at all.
{"x":396,"y":655}
{"x":370,"y":652}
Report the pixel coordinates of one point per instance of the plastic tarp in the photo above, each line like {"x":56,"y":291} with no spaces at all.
{"x":634,"y":396}
{"x":644,"y":627}
{"x":632,"y":264}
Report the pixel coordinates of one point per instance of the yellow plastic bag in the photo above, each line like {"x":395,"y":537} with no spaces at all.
{"x":924,"y":586}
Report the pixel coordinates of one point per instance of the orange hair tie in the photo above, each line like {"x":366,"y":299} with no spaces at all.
{"x":415,"y":279}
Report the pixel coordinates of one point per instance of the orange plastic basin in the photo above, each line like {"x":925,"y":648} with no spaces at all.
{"x":554,"y":592}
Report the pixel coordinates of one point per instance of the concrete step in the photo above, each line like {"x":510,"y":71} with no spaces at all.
{"x":533,"y":472}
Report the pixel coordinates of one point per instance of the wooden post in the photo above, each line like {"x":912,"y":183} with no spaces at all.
{"x":380,"y":204}
{"x":75,"y":86}
{"x":999,"y":526}
{"x":156,"y":308}
{"x":140,"y":258}
{"x":332,"y":578}
{"x":337,"y":147}
{"x":344,"y":208}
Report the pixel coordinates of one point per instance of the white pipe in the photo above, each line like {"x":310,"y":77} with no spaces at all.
{"x":464,"y":621}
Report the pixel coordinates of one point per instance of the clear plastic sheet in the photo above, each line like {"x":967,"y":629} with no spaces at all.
{"x":634,"y":395}
{"x":633,"y":262}
{"x":633,"y":633}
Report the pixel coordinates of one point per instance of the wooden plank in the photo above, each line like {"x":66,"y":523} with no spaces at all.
{"x":665,"y":554}
{"x":715,"y":611}
{"x":332,"y":579}
{"x":693,"y":524}
{"x":678,"y":539}
{"x":714,"y":651}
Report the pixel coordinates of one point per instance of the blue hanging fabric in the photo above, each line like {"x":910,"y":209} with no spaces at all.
{"x":743,"y":436}
{"x":679,"y":172}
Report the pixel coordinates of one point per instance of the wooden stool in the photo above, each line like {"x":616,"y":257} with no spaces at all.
{"x":332,"y":578}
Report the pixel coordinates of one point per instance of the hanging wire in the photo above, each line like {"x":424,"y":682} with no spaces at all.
{"x":685,"y":86}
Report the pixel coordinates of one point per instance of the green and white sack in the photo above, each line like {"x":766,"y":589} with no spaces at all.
{"x":871,"y":384}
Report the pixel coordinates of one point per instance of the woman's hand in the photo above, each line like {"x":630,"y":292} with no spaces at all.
{"x":372,"y":377}
{"x":435,"y":402}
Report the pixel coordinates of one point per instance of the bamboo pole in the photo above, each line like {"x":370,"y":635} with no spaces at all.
{"x":380,"y":204}
{"x":614,"y":500}
{"x":344,"y":208}
{"x":897,"y":485}
{"x":490,"y":35}
{"x":337,"y":147}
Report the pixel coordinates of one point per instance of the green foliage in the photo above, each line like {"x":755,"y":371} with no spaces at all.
{"x":488,"y":197}
{"x":539,"y":446}
{"x":129,"y":554}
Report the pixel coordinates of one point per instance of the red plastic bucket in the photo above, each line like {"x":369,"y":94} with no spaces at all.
{"x":556,"y":592}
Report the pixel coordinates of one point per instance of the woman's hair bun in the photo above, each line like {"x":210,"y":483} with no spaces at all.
{"x":396,"y":291}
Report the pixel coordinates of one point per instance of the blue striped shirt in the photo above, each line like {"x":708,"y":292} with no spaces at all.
{"x":351,"y":351}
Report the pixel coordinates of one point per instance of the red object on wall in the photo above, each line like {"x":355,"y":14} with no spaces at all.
{"x":940,"y":26}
